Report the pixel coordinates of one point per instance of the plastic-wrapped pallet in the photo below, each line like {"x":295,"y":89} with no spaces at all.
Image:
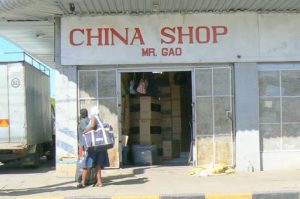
{"x":145,"y":155}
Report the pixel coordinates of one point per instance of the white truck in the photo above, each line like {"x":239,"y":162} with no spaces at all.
{"x":25,"y":113}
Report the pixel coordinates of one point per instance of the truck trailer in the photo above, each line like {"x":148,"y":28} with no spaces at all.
{"x":26,"y":132}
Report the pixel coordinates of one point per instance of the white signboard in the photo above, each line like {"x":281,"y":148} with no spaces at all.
{"x":170,"y":38}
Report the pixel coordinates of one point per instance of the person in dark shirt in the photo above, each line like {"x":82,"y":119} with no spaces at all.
{"x":83,"y":123}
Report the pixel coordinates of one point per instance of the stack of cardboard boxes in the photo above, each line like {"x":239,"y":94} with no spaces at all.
{"x":171,"y":119}
{"x":125,"y":115}
{"x":166,"y":120}
{"x":181,"y":94}
{"x":180,"y":117}
{"x":145,"y":122}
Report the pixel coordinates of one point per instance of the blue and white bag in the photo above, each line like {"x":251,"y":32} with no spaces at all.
{"x":102,"y":137}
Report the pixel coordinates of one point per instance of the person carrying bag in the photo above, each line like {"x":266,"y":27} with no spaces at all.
{"x":94,"y":156}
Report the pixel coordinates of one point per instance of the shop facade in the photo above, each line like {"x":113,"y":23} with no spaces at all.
{"x":241,"y":70}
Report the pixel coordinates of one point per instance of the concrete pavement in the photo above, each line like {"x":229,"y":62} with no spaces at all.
{"x":151,"y":182}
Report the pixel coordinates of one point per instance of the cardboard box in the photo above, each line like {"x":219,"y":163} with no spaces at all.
{"x":137,"y":122}
{"x":167,"y":150}
{"x":176,"y":108}
{"x":176,"y":92}
{"x":166,"y":135}
{"x":164,"y":91}
{"x":156,"y":139}
{"x":143,"y":99}
{"x":137,"y":115}
{"x":166,"y":122}
{"x":177,"y":125}
{"x":166,"y":107}
{"x":166,"y":128}
{"x":145,"y":134}
{"x":151,"y":126}
{"x":147,"y":129}
{"x":66,"y":167}
{"x":171,"y":149}
{"x":176,"y":136}
{"x":145,"y":138}
{"x":144,"y":107}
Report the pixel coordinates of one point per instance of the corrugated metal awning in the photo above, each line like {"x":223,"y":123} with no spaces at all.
{"x":36,"y":37}
{"x":176,"y":6}
{"x":43,"y":9}
{"x":39,"y":39}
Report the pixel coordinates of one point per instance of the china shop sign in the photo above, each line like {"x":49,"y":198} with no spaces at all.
{"x":102,"y":37}
{"x":149,"y":39}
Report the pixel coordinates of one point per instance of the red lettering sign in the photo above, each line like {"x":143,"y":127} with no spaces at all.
{"x":218,"y":30}
{"x":199,"y":34}
{"x":72,"y":42}
{"x":105,"y":36}
{"x":90,"y":37}
{"x":138,"y":36}
{"x":191,"y":35}
{"x":164,"y":33}
{"x":129,"y":36}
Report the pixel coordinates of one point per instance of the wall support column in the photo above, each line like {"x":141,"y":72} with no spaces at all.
{"x":66,"y":113}
{"x":247,"y":117}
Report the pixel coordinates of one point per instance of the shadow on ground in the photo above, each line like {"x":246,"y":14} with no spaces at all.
{"x":37,"y":190}
{"x":127,"y":179}
{"x":124,"y":179}
{"x":16,"y":168}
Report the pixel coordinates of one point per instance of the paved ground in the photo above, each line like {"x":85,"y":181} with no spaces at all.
{"x":153,"y":180}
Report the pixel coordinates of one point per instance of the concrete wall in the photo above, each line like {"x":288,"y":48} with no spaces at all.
{"x":280,"y":160}
{"x":66,"y":113}
{"x":247,"y":116}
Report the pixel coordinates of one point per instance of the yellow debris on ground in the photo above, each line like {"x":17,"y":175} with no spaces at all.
{"x":230,"y":171}
{"x":208,"y":170}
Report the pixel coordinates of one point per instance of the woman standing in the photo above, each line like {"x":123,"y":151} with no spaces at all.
{"x":94,"y":157}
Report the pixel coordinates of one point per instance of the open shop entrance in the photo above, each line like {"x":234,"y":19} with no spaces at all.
{"x":156,"y":118}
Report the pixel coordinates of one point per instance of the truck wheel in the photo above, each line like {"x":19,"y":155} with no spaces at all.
{"x":37,"y":156}
{"x":32,"y":159}
{"x":36,"y":160}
